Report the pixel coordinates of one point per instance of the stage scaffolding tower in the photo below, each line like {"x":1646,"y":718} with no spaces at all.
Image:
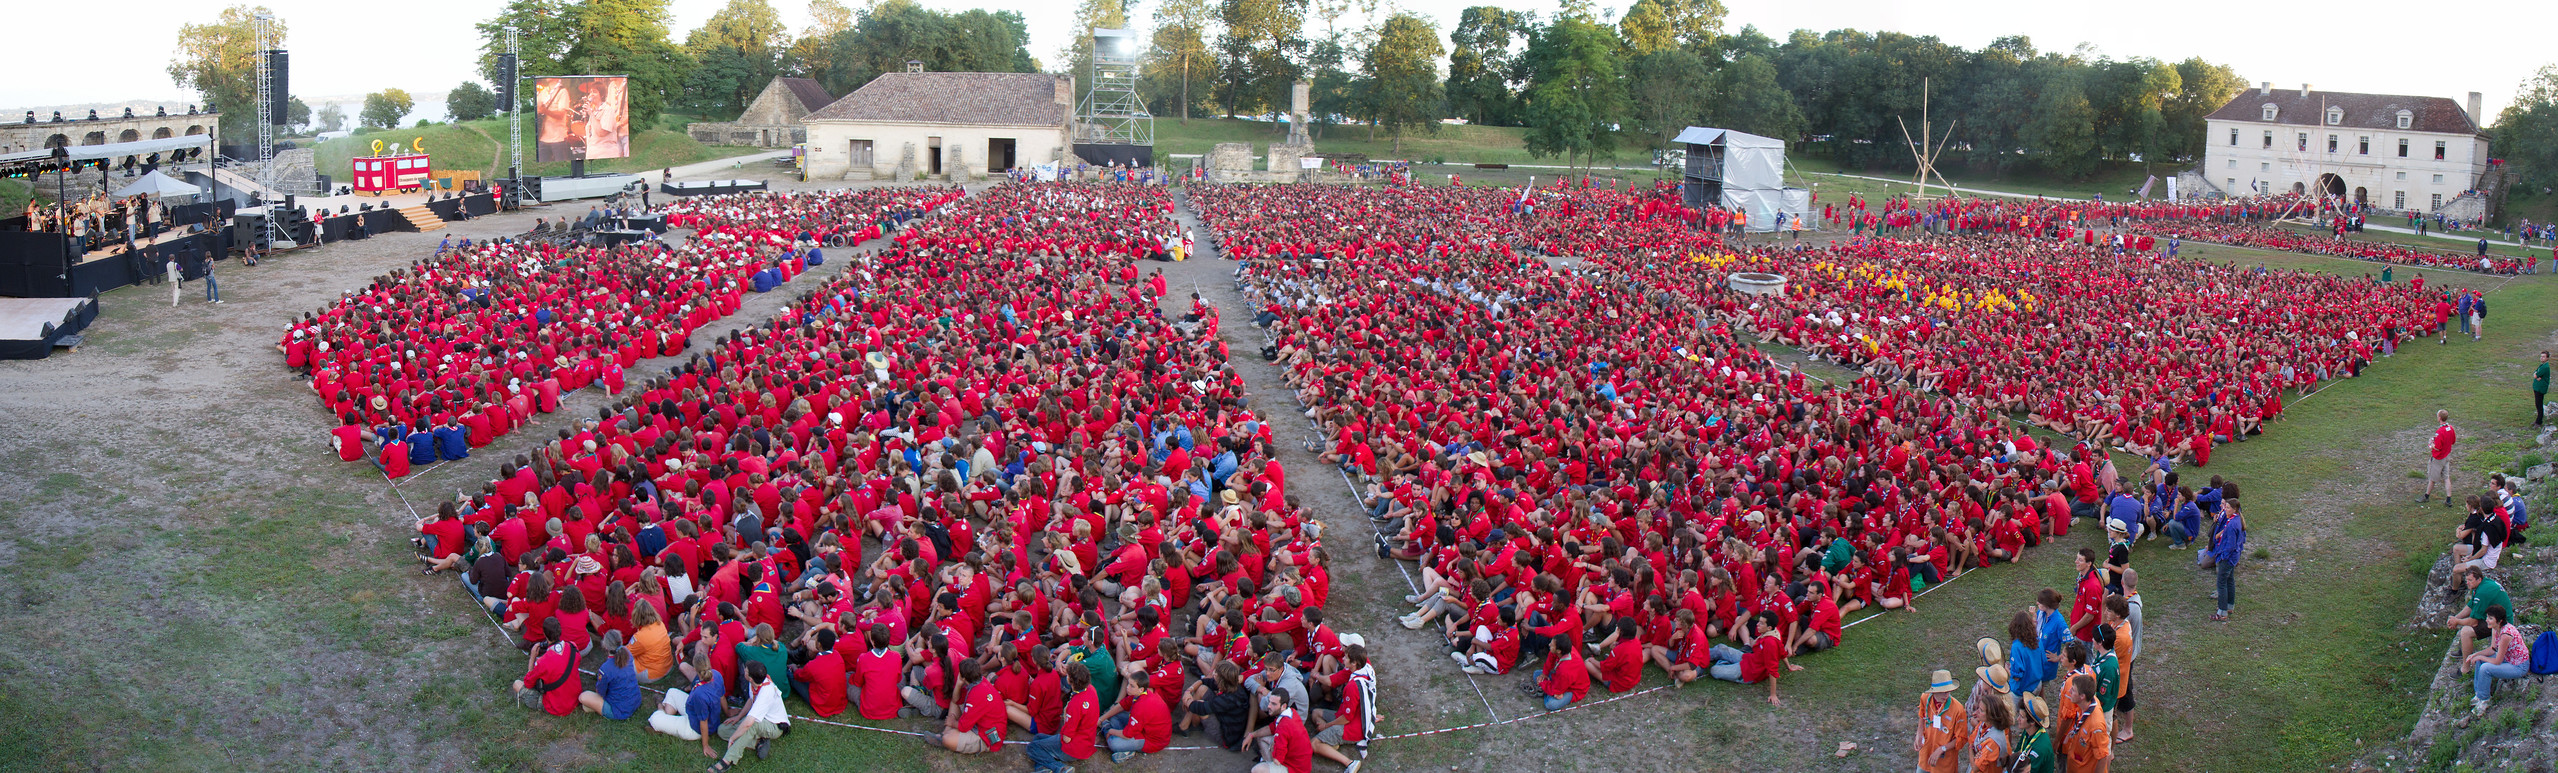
{"x":508,"y":72}
{"x":268,"y":42}
{"x":1112,"y":113}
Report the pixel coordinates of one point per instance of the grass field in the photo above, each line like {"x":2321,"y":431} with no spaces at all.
{"x":476,"y":145}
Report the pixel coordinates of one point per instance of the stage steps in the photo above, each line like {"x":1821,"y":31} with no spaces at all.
{"x":422,"y":219}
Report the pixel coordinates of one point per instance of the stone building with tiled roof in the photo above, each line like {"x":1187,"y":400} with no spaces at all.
{"x":941,"y":125}
{"x":2387,"y":151}
{"x":772,"y":120}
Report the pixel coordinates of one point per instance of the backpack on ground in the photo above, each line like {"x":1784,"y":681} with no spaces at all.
{"x":2544,"y":653}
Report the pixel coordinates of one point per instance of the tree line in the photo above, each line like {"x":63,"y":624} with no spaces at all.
{"x":1585,"y":86}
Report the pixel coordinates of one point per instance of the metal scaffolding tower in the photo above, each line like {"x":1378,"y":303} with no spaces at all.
{"x":1111,"y":112}
{"x":265,"y":31}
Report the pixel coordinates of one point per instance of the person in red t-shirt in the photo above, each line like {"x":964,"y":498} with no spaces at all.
{"x":550,"y":680}
{"x":1146,"y":727}
{"x":1290,"y":750}
{"x":2087,"y":607}
{"x":1074,"y":737}
{"x":2438,"y":469}
{"x":1765,"y":662}
{"x":976,"y":726}
{"x":878,"y":674}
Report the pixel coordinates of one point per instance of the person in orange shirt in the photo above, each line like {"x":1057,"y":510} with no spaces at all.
{"x":1943,"y":732}
{"x":1989,"y":747}
{"x":2065,"y":717}
{"x":2089,"y":743}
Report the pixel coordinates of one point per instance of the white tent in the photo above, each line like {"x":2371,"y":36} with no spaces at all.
{"x":1747,"y":174}
{"x":157,"y":184}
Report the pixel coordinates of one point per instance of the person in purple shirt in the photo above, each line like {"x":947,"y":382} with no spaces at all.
{"x":2228,"y":542}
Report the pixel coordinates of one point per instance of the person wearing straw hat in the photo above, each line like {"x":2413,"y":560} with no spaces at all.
{"x":2034,"y":745}
{"x":1986,"y":690}
{"x":1943,"y":732}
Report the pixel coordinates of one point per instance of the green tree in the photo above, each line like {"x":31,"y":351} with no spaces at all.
{"x":808,"y":55}
{"x":296,"y":113}
{"x":1179,"y":58}
{"x":1401,"y":86}
{"x":1646,"y":28}
{"x":2062,"y":136}
{"x":1672,"y":89}
{"x":892,"y":32}
{"x":470,"y":102}
{"x":332,"y":117}
{"x":629,"y":38}
{"x":2526,"y":133}
{"x":1576,"y":95}
{"x":2201,"y":87}
{"x":1257,"y":53}
{"x":1746,"y":97}
{"x":545,"y":29}
{"x":736,"y":52}
{"x":383,"y":109}
{"x":1482,"y":70}
{"x":219,"y":61}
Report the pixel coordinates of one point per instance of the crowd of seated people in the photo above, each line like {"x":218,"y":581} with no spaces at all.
{"x":981,"y":480}
{"x":452,"y":352}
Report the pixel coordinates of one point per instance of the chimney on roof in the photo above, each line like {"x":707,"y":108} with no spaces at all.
{"x":914,"y":65}
{"x":2304,"y":91}
{"x":2264,"y":88}
{"x":2477,"y":102}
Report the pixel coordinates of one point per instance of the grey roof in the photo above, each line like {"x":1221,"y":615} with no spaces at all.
{"x":2362,"y":111}
{"x":811,"y":95}
{"x":1699,"y":135}
{"x":996,"y":98}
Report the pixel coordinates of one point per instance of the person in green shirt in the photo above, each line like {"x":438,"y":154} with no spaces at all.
{"x":2484,"y":592}
{"x":2034,"y":752}
{"x":1105,"y":673}
{"x":762,"y":647}
{"x":2384,"y":274}
{"x":2109,"y":669}
{"x":2540,"y":389}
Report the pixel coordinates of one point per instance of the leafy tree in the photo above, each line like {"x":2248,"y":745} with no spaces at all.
{"x":1179,"y":58}
{"x":1331,"y":89}
{"x":736,"y":52}
{"x":888,"y":34}
{"x":1257,"y":53}
{"x":1646,"y":28}
{"x":808,"y":55}
{"x":2062,"y":135}
{"x":219,"y":60}
{"x":296,"y":113}
{"x":628,"y":37}
{"x":545,"y":29}
{"x":1746,"y":97}
{"x":332,"y":117}
{"x":1672,"y":90}
{"x":470,"y":102}
{"x":2201,"y":87}
{"x":1655,"y":25}
{"x":1481,"y":67}
{"x":1577,"y":93}
{"x":2526,"y":133}
{"x":1401,"y":88}
{"x":383,"y":109}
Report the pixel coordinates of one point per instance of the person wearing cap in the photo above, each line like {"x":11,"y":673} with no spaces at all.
{"x":1943,"y":731}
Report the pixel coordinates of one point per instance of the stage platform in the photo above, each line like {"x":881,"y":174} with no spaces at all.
{"x":30,"y":327}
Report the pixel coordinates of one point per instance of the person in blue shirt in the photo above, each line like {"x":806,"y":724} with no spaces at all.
{"x":2229,"y":541}
{"x":452,"y":441}
{"x":2025,"y":666}
{"x":2186,"y":523}
{"x":617,"y":691}
{"x":2123,"y":513}
{"x":421,"y":447}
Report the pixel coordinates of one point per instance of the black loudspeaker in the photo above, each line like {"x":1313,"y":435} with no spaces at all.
{"x":279,"y":94}
{"x":288,"y":202}
{"x":506,"y":83}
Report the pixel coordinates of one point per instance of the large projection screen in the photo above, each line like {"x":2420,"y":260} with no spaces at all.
{"x":582,"y":117}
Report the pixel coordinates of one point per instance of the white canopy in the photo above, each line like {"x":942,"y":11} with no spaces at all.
{"x":157,"y":184}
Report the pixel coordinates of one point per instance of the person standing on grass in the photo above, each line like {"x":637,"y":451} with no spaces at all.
{"x":177,"y":280}
{"x":2477,"y":312}
{"x":1944,"y":732}
{"x":2228,"y":541}
{"x":2438,"y":469}
{"x":2540,"y":389}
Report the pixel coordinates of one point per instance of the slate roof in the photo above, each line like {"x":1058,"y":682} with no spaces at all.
{"x":811,"y":96}
{"x":982,"y":98}
{"x":2362,"y":111}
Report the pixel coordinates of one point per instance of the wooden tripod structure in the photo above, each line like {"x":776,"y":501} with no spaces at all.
{"x":1927,"y":147}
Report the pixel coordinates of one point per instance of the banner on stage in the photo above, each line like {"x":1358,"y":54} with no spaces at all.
{"x":582,"y":117}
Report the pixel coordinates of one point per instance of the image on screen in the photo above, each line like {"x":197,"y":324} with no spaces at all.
{"x":582,"y":117}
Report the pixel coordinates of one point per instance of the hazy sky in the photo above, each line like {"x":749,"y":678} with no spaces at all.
{"x":338,"y":50}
